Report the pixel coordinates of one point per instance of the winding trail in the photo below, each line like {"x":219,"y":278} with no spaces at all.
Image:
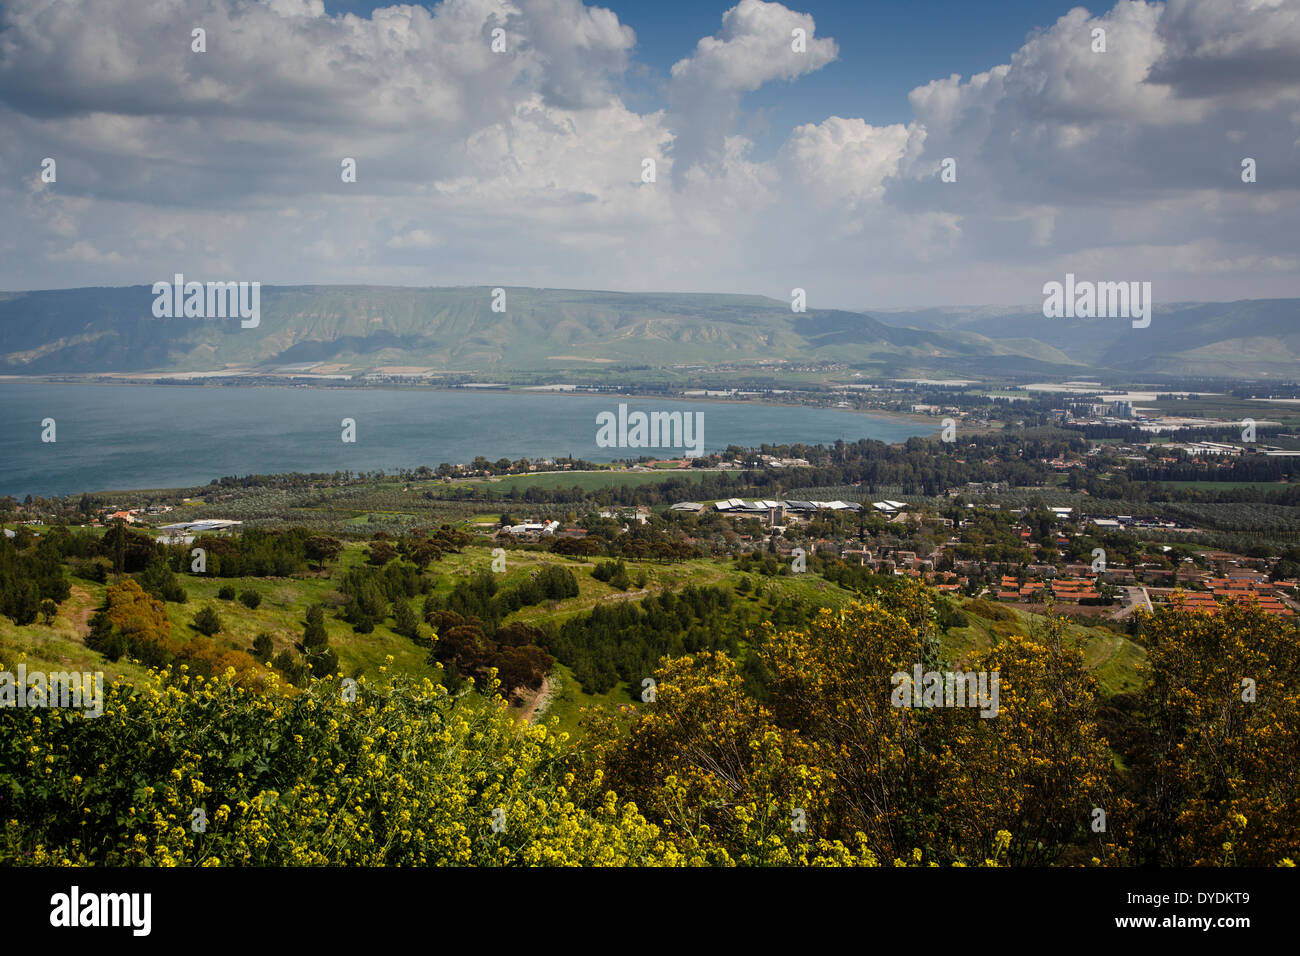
{"x":81,"y":619}
{"x":532,"y":701}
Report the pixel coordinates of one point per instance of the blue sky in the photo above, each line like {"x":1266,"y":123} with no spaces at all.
{"x":886,"y":50}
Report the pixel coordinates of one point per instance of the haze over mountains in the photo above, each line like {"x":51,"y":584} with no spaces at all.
{"x":1249,"y":339}
{"x":360,"y":328}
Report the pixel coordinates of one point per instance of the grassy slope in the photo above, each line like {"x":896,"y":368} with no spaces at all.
{"x":285,"y":602}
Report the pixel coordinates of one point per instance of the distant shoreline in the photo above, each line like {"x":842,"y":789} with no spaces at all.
{"x":589,"y":391}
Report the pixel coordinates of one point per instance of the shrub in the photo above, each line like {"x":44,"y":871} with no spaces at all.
{"x":422,"y":769}
{"x":160,"y":581}
{"x":207,"y":621}
{"x":263,"y":648}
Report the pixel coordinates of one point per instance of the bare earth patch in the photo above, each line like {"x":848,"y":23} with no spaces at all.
{"x":533,"y":700}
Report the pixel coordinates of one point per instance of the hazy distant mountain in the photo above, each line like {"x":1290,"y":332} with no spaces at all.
{"x":1253,"y":338}
{"x":360,"y":328}
{"x":367,"y":327}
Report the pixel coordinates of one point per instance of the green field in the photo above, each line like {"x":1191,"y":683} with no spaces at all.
{"x":1227,"y":485}
{"x":1228,"y":408}
{"x":586,"y":480}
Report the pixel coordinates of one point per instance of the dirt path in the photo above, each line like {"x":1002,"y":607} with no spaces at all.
{"x":531,"y":702}
{"x":81,"y":619}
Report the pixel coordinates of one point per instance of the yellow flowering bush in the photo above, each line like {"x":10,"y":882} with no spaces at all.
{"x":829,"y":770}
{"x":185,"y":770}
{"x":1219,"y":783}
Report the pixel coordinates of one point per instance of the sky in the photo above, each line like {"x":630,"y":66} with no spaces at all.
{"x":794,"y":146}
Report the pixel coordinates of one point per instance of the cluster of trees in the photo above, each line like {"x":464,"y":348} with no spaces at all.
{"x":1212,"y":743}
{"x":614,"y":573}
{"x":261,"y":553}
{"x":653,"y":541}
{"x":31,"y":574}
{"x":372,"y":591}
{"x":1133,"y":434}
{"x":464,"y":649}
{"x":913,"y":466}
{"x":482,"y":598}
{"x":254,"y":553}
{"x":623,"y":640}
{"x":787,"y":745}
{"x":1242,"y":468}
{"x":1277,"y":521}
{"x":469,"y":639}
{"x":134,"y":624}
{"x":418,"y":546}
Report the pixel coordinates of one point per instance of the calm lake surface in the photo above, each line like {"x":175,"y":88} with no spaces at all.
{"x":114,"y":437}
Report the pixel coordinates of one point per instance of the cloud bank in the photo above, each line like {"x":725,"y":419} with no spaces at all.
{"x":524,"y":166}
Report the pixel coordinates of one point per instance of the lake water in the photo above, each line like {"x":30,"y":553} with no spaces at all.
{"x":114,"y":437}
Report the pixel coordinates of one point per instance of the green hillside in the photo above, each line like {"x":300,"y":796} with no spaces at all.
{"x":363,"y":328}
{"x":284,"y":602}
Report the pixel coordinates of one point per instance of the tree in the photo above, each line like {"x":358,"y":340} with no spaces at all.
{"x":226,"y":592}
{"x":830,"y":738}
{"x":948,"y":778}
{"x":130,"y":550}
{"x":133,"y":622}
{"x":518,"y":634}
{"x":48,"y":610}
{"x":422,"y":552}
{"x":250,"y":598}
{"x":314,"y":634}
{"x":706,"y":759}
{"x":207,"y":621}
{"x":525,"y":666}
{"x":291,"y":666}
{"x":315,"y":644}
{"x":322,"y":549}
{"x":160,"y":581}
{"x":381,"y":552}
{"x":263,"y":648}
{"x":556,"y":583}
{"x":404,"y":620}
{"x":465,"y":646}
{"x":1219,"y":740}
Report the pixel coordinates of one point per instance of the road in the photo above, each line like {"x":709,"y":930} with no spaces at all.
{"x":1134,"y":597}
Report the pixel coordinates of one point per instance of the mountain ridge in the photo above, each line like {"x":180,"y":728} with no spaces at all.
{"x":359,"y":328}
